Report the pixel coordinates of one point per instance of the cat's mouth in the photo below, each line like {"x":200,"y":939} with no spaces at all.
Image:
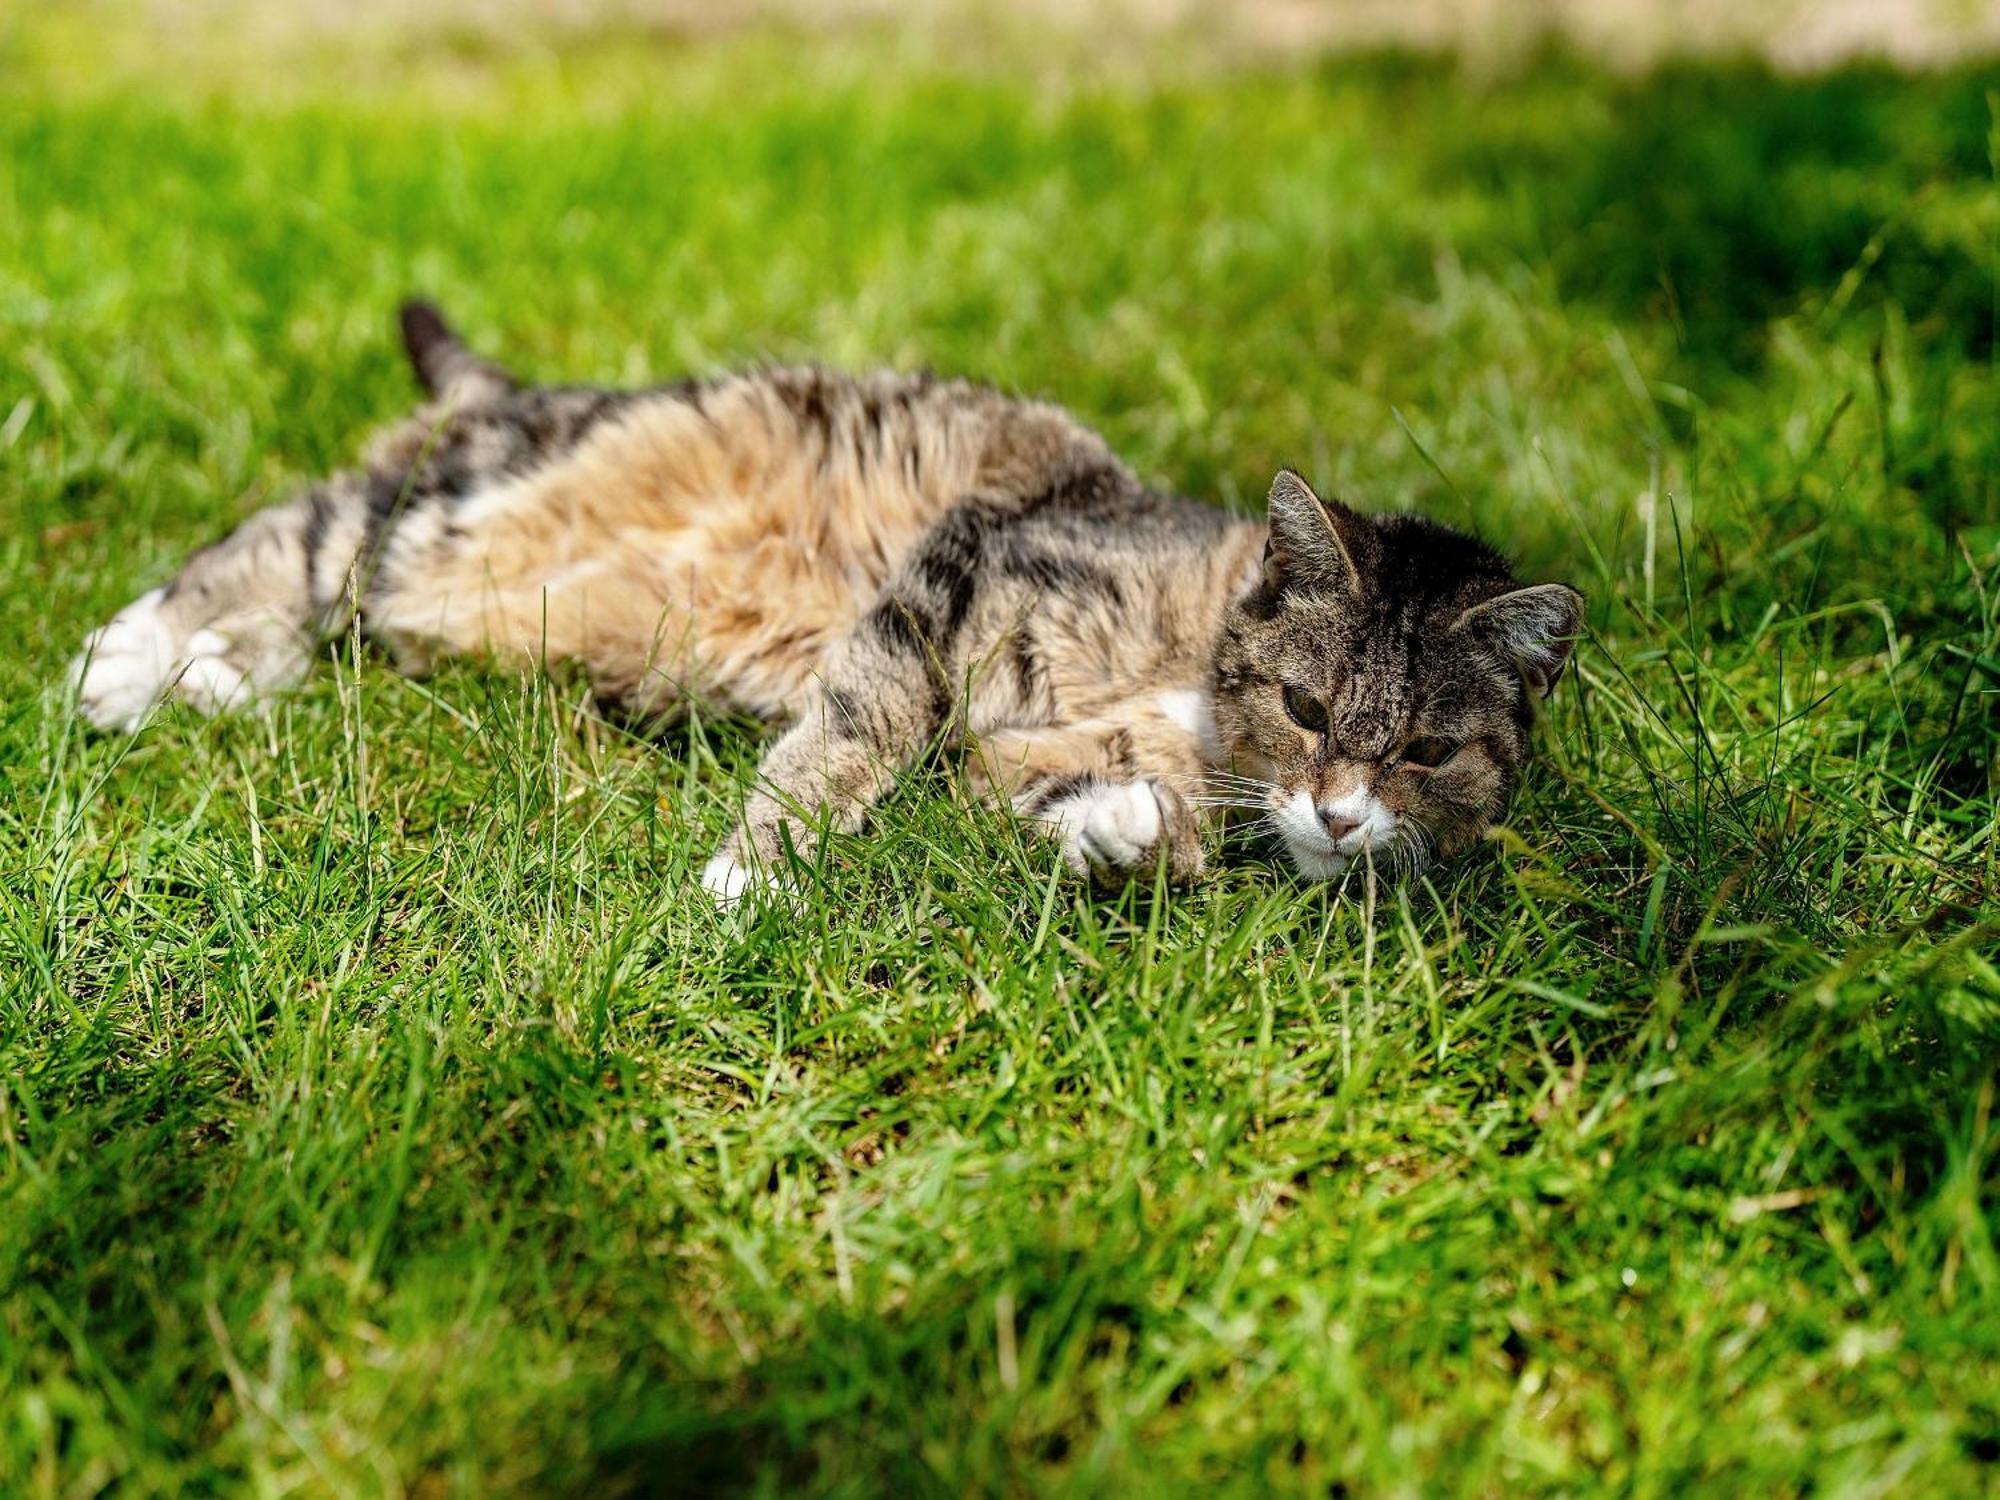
{"x":1320,"y":838}
{"x":1321,"y":842}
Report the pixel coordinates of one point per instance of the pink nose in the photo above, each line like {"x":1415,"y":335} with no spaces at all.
{"x":1337,"y":827}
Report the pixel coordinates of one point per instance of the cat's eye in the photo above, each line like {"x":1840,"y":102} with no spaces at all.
{"x":1307,"y":711}
{"x":1429,"y":751}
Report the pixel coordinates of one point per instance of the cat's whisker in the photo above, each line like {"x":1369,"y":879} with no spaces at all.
{"x":1412,"y":848}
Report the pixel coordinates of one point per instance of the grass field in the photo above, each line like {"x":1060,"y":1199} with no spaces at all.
{"x":382,"y":1111}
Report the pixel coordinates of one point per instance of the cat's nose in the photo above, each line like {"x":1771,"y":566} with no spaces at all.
{"x":1337,"y":827}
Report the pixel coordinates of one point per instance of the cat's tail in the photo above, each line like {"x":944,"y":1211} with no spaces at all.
{"x":443,"y":361}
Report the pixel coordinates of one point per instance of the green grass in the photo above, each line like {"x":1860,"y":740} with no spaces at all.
{"x":382,"y":1111}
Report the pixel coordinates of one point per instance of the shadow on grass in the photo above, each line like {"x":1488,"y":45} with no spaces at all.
{"x":1722,"y":197}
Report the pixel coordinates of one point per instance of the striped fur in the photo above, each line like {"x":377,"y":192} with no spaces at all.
{"x":877,"y":563}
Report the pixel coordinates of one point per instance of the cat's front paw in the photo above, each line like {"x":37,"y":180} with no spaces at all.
{"x":727,"y":880}
{"x":1113,"y":832}
{"x":129,"y":666}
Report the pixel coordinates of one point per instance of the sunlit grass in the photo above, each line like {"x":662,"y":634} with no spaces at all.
{"x":381,"y":1110}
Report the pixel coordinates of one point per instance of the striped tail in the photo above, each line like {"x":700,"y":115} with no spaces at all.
{"x":443,"y":362}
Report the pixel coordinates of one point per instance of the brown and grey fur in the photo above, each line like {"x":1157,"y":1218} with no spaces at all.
{"x":881,"y":563}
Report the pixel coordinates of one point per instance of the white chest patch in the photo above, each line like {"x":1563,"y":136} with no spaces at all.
{"x":1191,"y":710}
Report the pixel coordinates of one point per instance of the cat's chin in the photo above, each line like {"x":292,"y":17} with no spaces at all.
{"x":1315,"y":864}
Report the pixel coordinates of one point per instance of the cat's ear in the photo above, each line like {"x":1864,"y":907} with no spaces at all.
{"x":1312,"y":542}
{"x":1532,"y":627}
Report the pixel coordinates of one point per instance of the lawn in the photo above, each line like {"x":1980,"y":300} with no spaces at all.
{"x":383,"y":1111}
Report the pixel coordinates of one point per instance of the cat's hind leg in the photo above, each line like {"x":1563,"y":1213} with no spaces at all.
{"x":243,"y":618}
{"x":240,"y":622}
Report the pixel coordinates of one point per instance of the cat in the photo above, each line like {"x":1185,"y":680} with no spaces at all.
{"x":881,"y":563}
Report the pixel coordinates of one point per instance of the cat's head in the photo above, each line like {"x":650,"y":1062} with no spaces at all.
{"x":1375,"y":684}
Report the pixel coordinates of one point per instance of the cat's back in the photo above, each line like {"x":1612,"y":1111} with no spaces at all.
{"x":753,"y":516}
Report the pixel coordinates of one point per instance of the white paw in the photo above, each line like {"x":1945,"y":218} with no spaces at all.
{"x":126,"y":668}
{"x":205,"y":679}
{"x":727,"y":879}
{"x":1112,"y":829}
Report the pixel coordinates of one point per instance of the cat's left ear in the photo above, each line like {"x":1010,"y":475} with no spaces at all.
{"x":1312,"y":542}
{"x":1532,"y":627}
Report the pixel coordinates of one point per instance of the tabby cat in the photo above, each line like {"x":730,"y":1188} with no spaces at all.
{"x":881,"y":563}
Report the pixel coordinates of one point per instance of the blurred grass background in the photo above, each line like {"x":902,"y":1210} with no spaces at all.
{"x":1023,"y":36}
{"x":380,"y":1110}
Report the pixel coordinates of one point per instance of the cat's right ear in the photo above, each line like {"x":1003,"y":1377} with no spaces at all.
{"x":1312,"y":543}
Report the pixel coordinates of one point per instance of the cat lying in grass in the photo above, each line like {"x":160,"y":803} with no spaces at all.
{"x":877,"y":563}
